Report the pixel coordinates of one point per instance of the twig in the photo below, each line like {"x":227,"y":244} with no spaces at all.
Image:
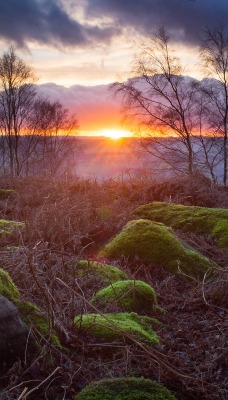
{"x":131,"y":338}
{"x":24,"y":395}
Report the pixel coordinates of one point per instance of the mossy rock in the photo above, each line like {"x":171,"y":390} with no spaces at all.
{"x":7,"y":227}
{"x":113,"y":327}
{"x":5,"y":193}
{"x":125,"y":389}
{"x":154,"y":242}
{"x":130,"y":295}
{"x":36,"y":319}
{"x":105,"y":272}
{"x":7,"y":288}
{"x":32,"y":315}
{"x":202,"y":220}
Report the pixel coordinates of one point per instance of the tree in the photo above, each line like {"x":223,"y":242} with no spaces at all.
{"x":35,"y":131}
{"x":53,"y":128}
{"x":17,"y":96}
{"x":214,"y":54}
{"x":160,"y":99}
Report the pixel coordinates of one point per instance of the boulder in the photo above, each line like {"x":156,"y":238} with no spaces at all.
{"x":125,"y":389}
{"x":106,"y":273}
{"x":129,"y":295}
{"x":201,"y":220}
{"x":158,"y":244}
{"x":15,"y":337}
{"x":116,"y":327}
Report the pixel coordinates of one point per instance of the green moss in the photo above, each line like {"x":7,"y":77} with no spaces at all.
{"x":5,"y":193}
{"x":213,"y":221}
{"x":154,"y":242}
{"x":7,"y":227}
{"x":107,"y":273}
{"x":125,"y":389}
{"x":129,"y":295}
{"x":34,"y":317}
{"x":7,"y":288}
{"x":111,"y":327}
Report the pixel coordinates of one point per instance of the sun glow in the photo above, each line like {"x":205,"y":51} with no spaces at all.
{"x":116,"y":133}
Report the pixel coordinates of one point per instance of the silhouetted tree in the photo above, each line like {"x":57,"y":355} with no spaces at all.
{"x":35,"y":131}
{"x":17,"y":96}
{"x":159,"y":98}
{"x":214,"y":54}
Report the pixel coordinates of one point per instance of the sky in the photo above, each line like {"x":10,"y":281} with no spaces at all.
{"x":78,"y":47}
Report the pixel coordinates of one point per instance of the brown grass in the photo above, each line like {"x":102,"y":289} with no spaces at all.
{"x":68,"y":221}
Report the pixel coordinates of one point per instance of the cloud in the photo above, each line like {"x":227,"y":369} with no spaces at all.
{"x":48,"y":22}
{"x":95,"y":106}
{"x":184,"y":18}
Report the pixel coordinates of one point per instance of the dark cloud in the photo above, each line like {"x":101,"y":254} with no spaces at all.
{"x":185,"y":18}
{"x":51,"y":21}
{"x":46,"y":21}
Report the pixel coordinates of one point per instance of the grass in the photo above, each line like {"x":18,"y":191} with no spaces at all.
{"x":65,"y":222}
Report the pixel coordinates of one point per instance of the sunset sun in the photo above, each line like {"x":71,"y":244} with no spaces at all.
{"x":115,"y":133}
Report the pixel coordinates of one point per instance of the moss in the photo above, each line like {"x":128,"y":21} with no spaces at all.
{"x":111,"y":327}
{"x":7,"y":227}
{"x":130,"y":296}
{"x":5,"y":193}
{"x":107,"y":273}
{"x":213,"y":221}
{"x":125,"y":389}
{"x":34,"y":317}
{"x":154,"y":242}
{"x":7,"y":288}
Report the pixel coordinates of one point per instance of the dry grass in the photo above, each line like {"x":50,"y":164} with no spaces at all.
{"x":68,"y":221}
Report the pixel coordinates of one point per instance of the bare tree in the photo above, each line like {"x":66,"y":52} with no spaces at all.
{"x":214,"y":54}
{"x":17,"y":95}
{"x":35,"y":131}
{"x":160,"y":99}
{"x":53,"y":146}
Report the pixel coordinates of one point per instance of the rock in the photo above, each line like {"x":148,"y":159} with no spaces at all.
{"x":8,"y":227}
{"x":104,"y":272}
{"x":213,"y":221}
{"x":15,"y":338}
{"x":125,"y":389}
{"x":129,"y":295}
{"x":5,"y":193}
{"x":113,"y":327}
{"x":155,"y":242}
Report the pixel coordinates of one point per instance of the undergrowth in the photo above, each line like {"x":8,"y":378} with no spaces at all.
{"x":66,"y":222}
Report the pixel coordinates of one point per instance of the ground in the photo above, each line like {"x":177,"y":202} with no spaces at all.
{"x":63,"y":225}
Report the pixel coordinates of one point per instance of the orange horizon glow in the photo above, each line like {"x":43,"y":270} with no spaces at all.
{"x":115,"y":134}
